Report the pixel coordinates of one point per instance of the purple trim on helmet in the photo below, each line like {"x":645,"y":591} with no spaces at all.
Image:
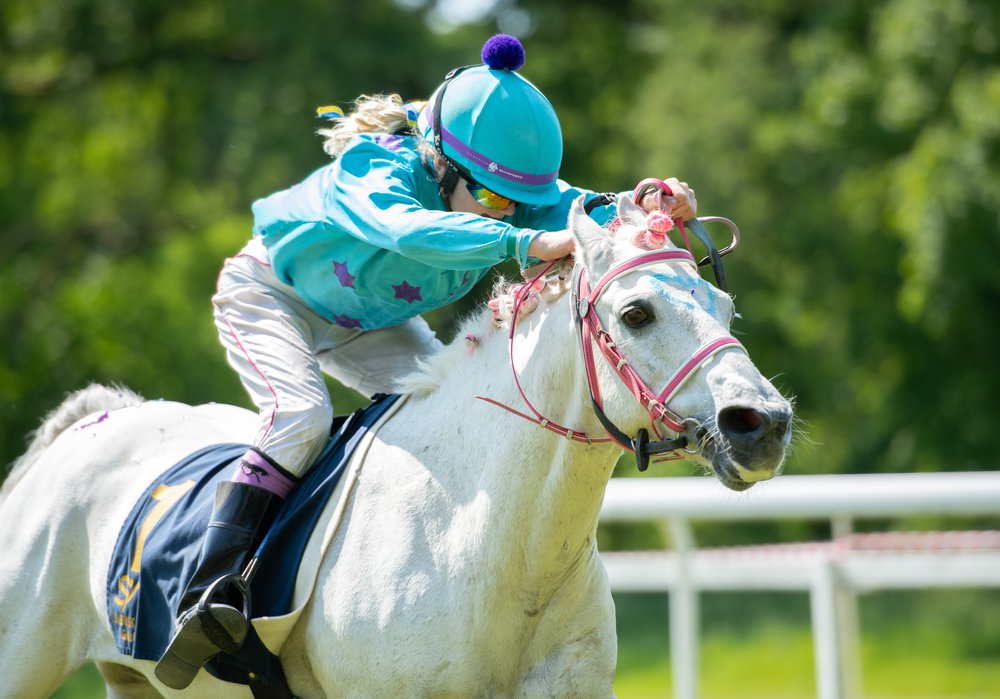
{"x":494,"y":167}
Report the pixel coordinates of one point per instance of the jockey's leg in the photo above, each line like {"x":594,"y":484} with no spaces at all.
{"x":212,"y":617}
{"x":269,"y":337}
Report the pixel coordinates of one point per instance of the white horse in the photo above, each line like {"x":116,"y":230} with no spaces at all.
{"x":466,"y":563}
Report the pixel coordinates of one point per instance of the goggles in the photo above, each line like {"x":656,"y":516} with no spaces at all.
{"x":487,"y":198}
{"x":483,"y":196}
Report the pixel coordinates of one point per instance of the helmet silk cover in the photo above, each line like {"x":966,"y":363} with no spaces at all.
{"x":503,"y":130}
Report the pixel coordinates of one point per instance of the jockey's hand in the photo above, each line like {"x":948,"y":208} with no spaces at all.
{"x":551,"y":245}
{"x":682,"y":205}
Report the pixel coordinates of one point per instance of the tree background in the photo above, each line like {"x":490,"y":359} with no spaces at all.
{"x":855,"y":143}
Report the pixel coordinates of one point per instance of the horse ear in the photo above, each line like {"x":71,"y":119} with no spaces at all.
{"x":630,"y":213}
{"x":594,"y":246}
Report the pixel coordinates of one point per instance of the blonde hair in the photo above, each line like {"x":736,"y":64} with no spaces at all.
{"x":371,"y":114}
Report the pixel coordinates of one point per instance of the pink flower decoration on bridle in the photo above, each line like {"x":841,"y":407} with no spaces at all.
{"x":654,"y":236}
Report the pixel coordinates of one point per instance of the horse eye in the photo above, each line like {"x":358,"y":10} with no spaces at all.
{"x":636,"y":316}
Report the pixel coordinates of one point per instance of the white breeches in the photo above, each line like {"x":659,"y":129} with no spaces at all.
{"x":281,"y":349}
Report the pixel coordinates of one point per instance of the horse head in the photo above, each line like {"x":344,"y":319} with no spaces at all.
{"x":672,"y":365}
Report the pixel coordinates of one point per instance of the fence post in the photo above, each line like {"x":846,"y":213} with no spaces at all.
{"x":825,"y":644}
{"x":684,"y":631}
{"x":845,"y":615}
{"x":849,"y":633}
{"x":832,"y":633}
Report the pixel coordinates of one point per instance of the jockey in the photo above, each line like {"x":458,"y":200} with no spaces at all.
{"x":419,"y":203}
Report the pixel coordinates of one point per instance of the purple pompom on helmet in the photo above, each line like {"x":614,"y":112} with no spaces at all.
{"x":496,"y":128}
{"x":503,"y":52}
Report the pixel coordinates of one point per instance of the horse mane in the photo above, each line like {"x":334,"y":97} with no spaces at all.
{"x":77,"y":405}
{"x":486,"y":321}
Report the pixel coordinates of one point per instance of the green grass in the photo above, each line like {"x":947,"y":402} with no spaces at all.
{"x":942,"y":644}
{"x":915,"y":645}
{"x":85,"y":683}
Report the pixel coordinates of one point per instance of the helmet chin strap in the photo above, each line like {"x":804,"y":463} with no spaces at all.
{"x":447,"y":183}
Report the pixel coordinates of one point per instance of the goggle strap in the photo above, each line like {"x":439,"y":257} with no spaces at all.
{"x":447,"y":183}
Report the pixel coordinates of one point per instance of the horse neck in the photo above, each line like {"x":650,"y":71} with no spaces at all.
{"x":546,"y":489}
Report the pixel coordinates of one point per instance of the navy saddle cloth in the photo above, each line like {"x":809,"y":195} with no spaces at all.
{"x":159,"y":544}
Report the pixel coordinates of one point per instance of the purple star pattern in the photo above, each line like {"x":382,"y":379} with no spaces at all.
{"x":345,"y":277}
{"x":407,"y":293}
{"x":390,"y":142}
{"x":462,"y":284}
{"x":345,"y":321}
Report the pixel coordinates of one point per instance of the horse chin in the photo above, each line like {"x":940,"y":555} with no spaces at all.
{"x":727,"y":474}
{"x":717,"y":462}
{"x":732,"y":474}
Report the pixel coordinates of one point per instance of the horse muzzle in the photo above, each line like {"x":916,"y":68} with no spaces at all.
{"x":747,"y":444}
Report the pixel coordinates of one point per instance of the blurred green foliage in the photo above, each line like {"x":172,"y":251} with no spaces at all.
{"x":856,"y":143}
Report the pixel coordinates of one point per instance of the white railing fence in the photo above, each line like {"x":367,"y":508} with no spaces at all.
{"x":832,"y":571}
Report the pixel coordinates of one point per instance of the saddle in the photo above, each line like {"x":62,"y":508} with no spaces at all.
{"x":158,"y":546}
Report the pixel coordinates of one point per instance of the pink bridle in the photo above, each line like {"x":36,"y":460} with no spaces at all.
{"x":592,"y":331}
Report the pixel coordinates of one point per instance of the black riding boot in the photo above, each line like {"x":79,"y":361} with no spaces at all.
{"x":212,"y":617}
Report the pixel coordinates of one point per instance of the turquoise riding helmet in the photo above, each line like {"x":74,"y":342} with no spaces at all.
{"x":496,"y":128}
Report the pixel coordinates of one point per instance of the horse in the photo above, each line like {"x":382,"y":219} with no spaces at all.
{"x":466,"y":562}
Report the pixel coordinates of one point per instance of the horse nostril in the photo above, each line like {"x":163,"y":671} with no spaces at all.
{"x":744,"y":424}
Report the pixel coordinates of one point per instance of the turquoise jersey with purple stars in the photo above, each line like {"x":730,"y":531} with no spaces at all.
{"x":368,"y":243}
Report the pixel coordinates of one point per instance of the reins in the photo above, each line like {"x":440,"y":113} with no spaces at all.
{"x":520,"y":295}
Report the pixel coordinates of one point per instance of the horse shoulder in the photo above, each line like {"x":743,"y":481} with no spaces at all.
{"x":418,"y":537}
